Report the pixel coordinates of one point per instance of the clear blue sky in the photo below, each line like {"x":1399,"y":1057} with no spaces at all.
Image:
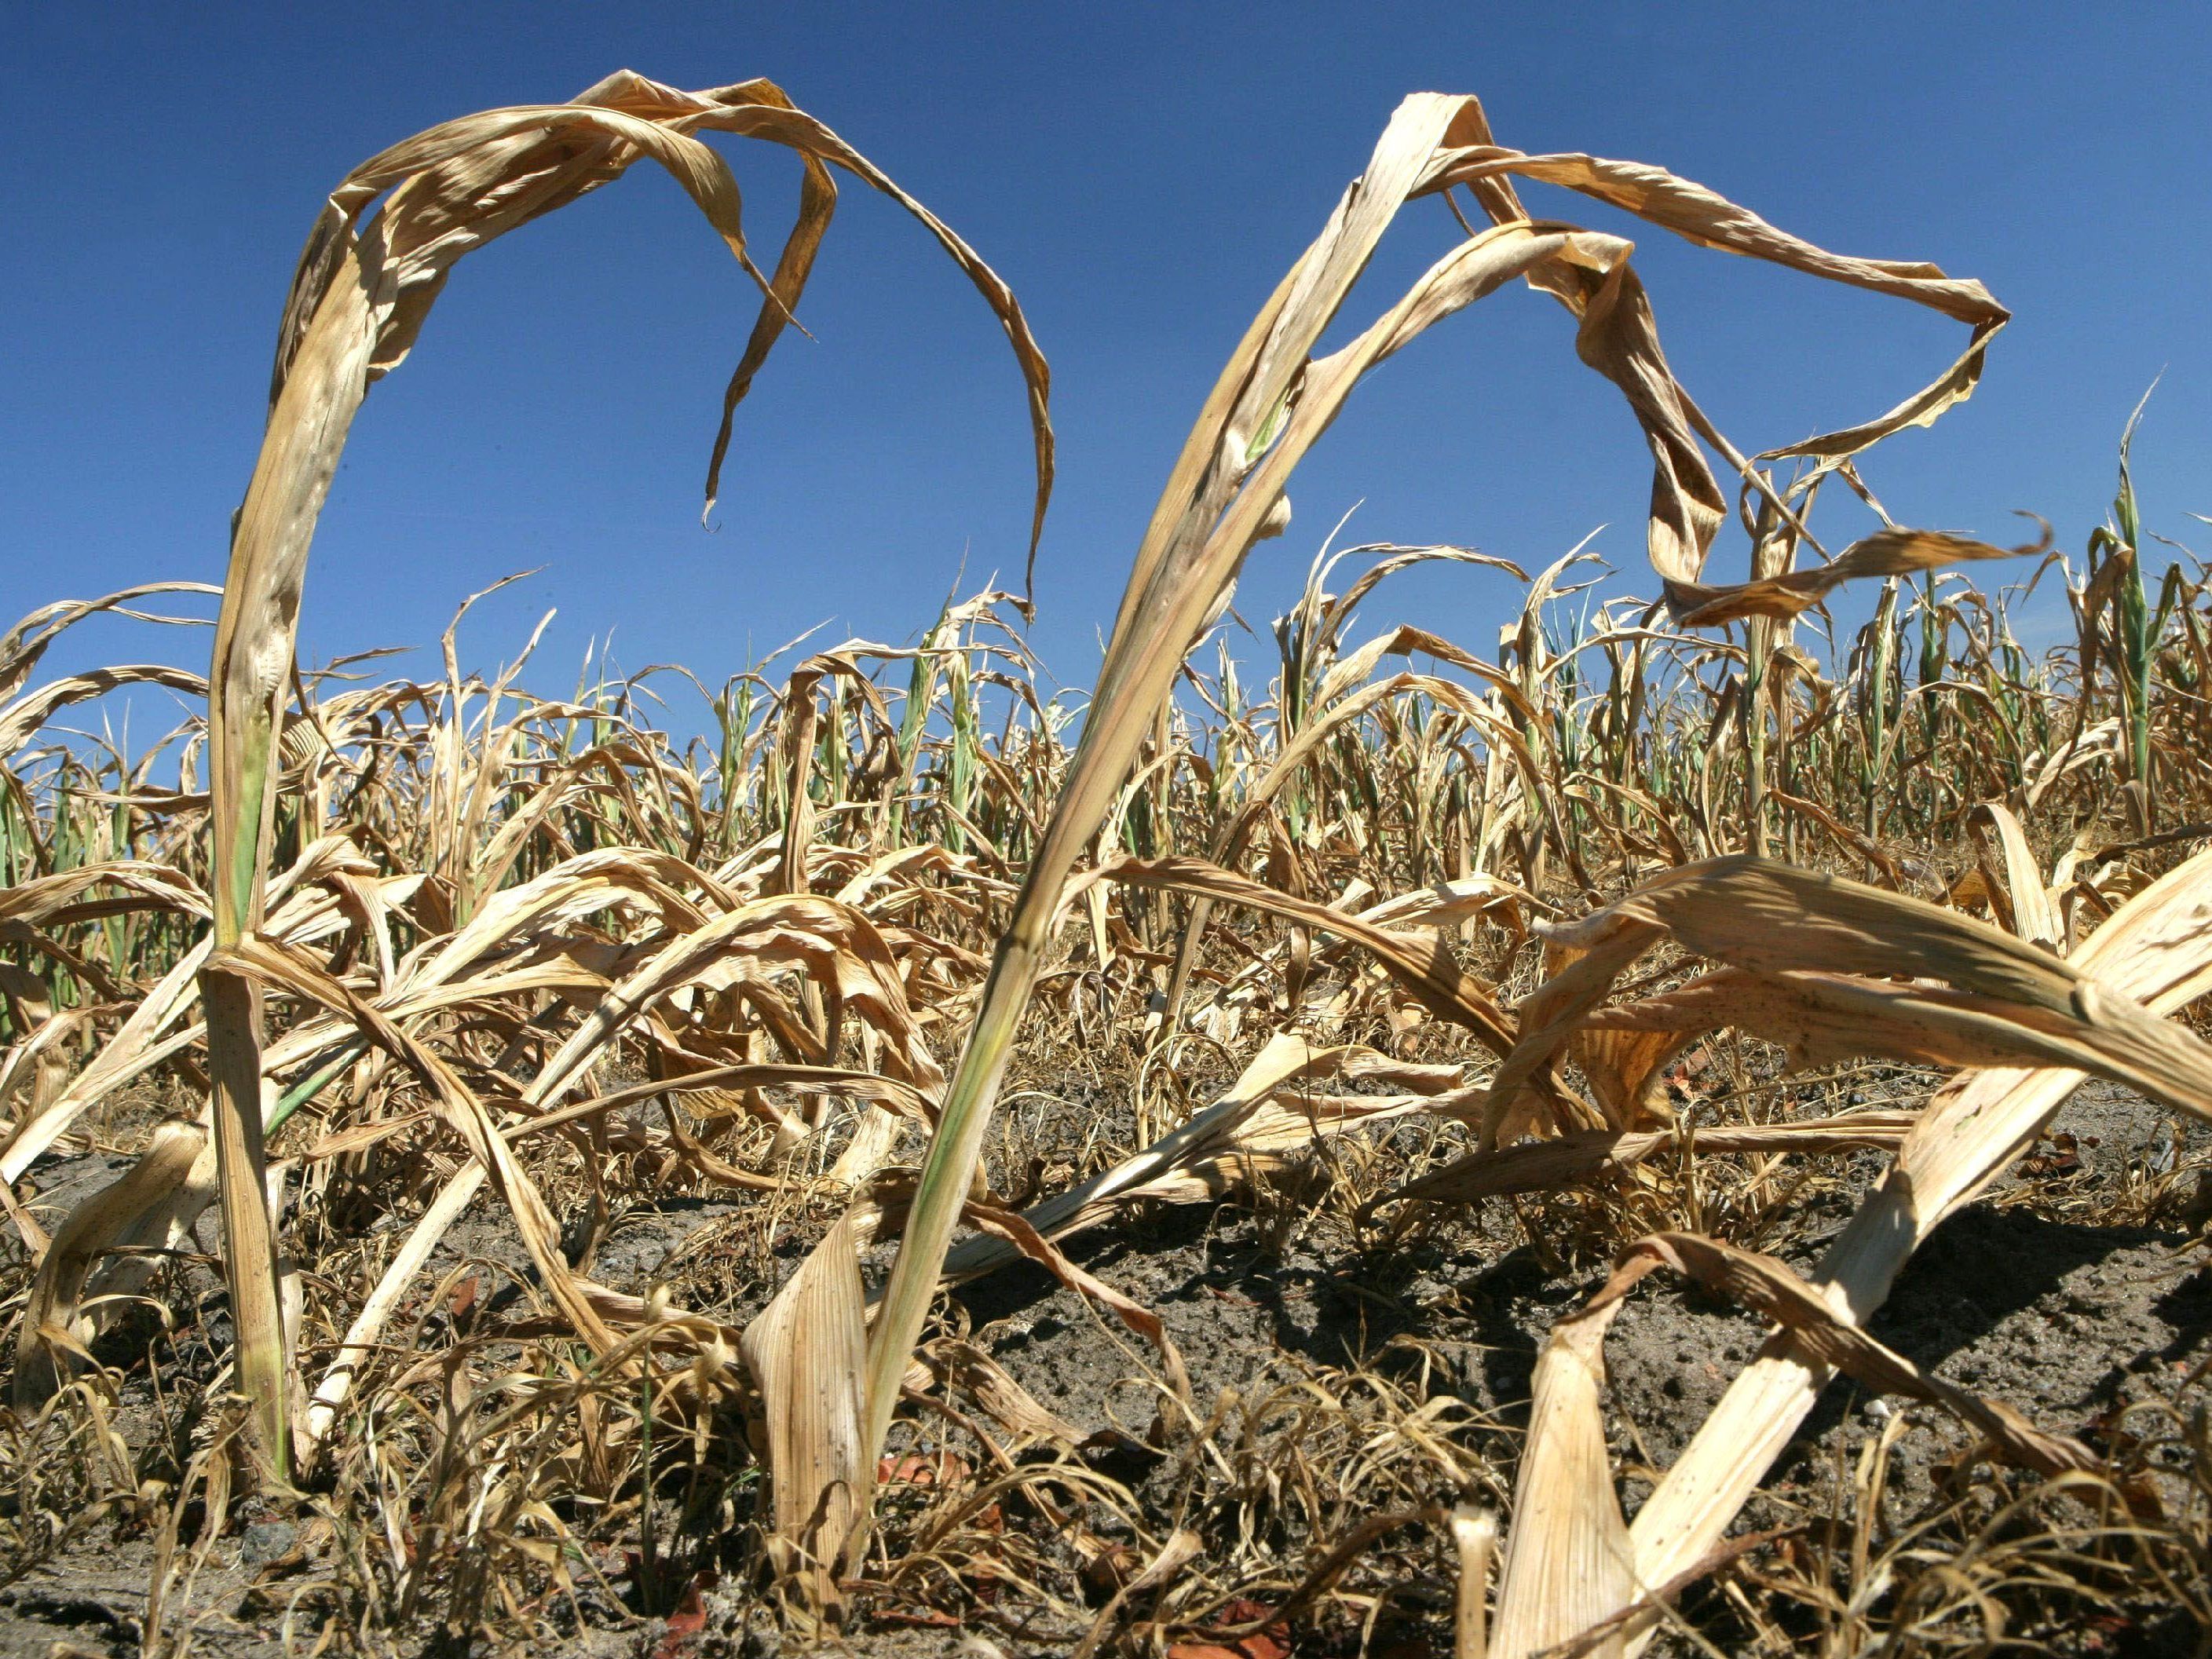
{"x":1141,"y":175}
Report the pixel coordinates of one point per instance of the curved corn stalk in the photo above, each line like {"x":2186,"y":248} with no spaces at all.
{"x":364,"y":286}
{"x":1227,"y":491}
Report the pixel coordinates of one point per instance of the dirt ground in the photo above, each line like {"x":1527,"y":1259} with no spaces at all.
{"x":2065,"y":1320}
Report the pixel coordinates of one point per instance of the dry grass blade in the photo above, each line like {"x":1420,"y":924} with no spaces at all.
{"x":1172,"y":1556}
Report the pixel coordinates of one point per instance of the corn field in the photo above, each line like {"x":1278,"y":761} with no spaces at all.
{"x":486,"y":1166}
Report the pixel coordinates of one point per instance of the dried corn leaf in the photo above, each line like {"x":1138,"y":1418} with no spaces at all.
{"x":26,"y":643}
{"x":1537,"y":1166}
{"x":2158,"y":948}
{"x":961,"y":1366}
{"x":456,"y":1106}
{"x":1420,"y":963}
{"x":1568,"y":1563}
{"x":1571,"y":1570}
{"x":1768,"y":1288}
{"x":1886,"y":553}
{"x":1250,"y":1129}
{"x":1808,"y":953}
{"x":2015,"y":886}
{"x":132,"y":1210}
{"x":807,"y":1350}
{"x":21,"y":719}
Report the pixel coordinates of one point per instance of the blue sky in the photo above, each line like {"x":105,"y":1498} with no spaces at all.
{"x":1141,"y":175}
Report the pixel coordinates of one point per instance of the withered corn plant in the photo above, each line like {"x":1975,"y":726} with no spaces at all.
{"x":364,"y":287}
{"x":1271,"y":404}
